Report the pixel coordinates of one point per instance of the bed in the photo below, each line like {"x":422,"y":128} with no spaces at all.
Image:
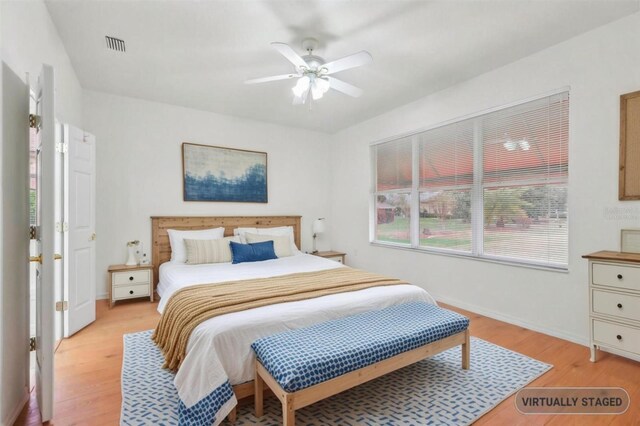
{"x":223,"y":343}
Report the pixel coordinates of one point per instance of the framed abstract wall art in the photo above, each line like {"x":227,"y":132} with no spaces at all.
{"x":213,"y":173}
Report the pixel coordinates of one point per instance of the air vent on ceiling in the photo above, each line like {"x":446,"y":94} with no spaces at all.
{"x":115,"y":44}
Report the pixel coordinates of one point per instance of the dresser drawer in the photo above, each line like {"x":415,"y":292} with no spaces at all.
{"x":131,"y":277}
{"x":618,"y":276}
{"x":616,"y":336}
{"x":130,"y":291}
{"x":618,"y":305}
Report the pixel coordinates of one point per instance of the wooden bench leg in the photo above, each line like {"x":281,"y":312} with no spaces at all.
{"x":258,"y":396}
{"x":233,"y":415}
{"x":288,"y":412}
{"x":466,"y":351}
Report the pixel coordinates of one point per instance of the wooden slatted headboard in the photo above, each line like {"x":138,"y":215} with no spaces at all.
{"x":161,"y":250}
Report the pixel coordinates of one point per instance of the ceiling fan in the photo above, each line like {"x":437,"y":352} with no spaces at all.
{"x":314,"y":73}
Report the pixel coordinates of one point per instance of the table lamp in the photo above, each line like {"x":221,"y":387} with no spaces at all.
{"x":318,"y":228}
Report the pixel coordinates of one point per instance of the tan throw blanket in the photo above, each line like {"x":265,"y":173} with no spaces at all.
{"x":190,"y":306}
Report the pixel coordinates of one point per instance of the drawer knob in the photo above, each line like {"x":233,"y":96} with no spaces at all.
{"x":131,"y":278}
{"x":619,"y":305}
{"x":619,"y":337}
{"x":131,"y":292}
{"x":619,"y":276}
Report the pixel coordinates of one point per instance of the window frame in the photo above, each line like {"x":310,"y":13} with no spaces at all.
{"x":477,"y":189}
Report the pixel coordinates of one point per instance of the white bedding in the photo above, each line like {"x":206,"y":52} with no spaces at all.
{"x":174,"y":276}
{"x":224,"y":342}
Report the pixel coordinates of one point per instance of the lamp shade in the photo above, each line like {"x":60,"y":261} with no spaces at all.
{"x":318,"y":226}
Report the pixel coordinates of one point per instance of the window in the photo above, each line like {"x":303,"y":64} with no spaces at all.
{"x":394,"y":171}
{"x":492,"y":186}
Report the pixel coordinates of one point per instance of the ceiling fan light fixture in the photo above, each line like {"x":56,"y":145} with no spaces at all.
{"x":316,"y":92}
{"x":323,"y":84}
{"x":299,"y":100}
{"x":302,"y":86}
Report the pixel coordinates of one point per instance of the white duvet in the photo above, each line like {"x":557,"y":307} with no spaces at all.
{"x":222,"y":345}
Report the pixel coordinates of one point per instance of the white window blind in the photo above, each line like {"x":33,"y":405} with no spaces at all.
{"x":493,"y":186}
{"x":393,"y":183}
{"x":446,"y":179}
{"x":393,"y":165}
{"x":525,"y":171}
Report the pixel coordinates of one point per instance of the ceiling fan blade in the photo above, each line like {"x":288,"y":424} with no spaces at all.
{"x":272,"y":78}
{"x":286,"y":51}
{"x":357,"y":59}
{"x":345,"y":88}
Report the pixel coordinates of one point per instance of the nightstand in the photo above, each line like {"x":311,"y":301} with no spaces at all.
{"x":331,"y":255}
{"x":130,"y":282}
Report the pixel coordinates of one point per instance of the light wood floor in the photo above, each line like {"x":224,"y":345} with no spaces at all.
{"x":88,"y":368}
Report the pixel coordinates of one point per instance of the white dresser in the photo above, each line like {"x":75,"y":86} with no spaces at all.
{"x":614,"y":302}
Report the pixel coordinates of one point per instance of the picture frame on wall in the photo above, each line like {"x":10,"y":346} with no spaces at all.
{"x":630,"y":240}
{"x":629,"y":168}
{"x":214,"y":173}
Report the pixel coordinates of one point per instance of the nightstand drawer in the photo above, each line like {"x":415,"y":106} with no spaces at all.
{"x":617,"y":305}
{"x":618,"y":276}
{"x":335,"y":259}
{"x":131,"y":277}
{"x":616,"y":336}
{"x":130,"y":291}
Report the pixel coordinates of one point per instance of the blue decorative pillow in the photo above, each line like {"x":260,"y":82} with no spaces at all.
{"x":252,"y":252}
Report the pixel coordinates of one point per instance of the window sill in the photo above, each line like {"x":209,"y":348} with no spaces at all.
{"x":514,"y":263}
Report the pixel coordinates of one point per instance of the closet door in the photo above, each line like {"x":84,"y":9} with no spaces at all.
{"x":46,"y":259}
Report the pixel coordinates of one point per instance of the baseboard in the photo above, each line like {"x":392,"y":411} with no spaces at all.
{"x":512,"y":320}
{"x":13,"y":416}
{"x":103,"y":296}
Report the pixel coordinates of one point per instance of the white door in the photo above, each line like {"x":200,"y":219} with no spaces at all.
{"x":80,"y":215}
{"x":46,"y":259}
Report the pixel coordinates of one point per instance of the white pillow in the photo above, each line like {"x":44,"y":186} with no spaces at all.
{"x":177,"y":237}
{"x":277,"y":231}
{"x":281,"y":243}
{"x":239,"y":232}
{"x":281,"y":230}
{"x":210,"y":251}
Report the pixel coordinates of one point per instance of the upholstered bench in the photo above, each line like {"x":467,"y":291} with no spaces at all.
{"x":307,"y":365}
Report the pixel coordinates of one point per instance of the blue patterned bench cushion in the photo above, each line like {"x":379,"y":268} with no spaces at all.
{"x":300,"y":358}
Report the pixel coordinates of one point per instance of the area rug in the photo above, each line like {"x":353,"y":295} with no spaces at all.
{"x":435,"y":391}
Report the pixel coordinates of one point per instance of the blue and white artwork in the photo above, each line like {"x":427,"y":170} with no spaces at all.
{"x":223,"y":174}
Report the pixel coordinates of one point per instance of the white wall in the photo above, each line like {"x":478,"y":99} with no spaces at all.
{"x":28,"y":39}
{"x":599,"y":66}
{"x":139,"y":169}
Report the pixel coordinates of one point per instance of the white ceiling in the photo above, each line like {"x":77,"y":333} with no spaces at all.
{"x":198,"y":53}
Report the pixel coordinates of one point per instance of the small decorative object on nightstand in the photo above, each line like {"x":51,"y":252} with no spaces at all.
{"x":332,"y":255}
{"x":132,"y":250}
{"x":130,"y":282}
